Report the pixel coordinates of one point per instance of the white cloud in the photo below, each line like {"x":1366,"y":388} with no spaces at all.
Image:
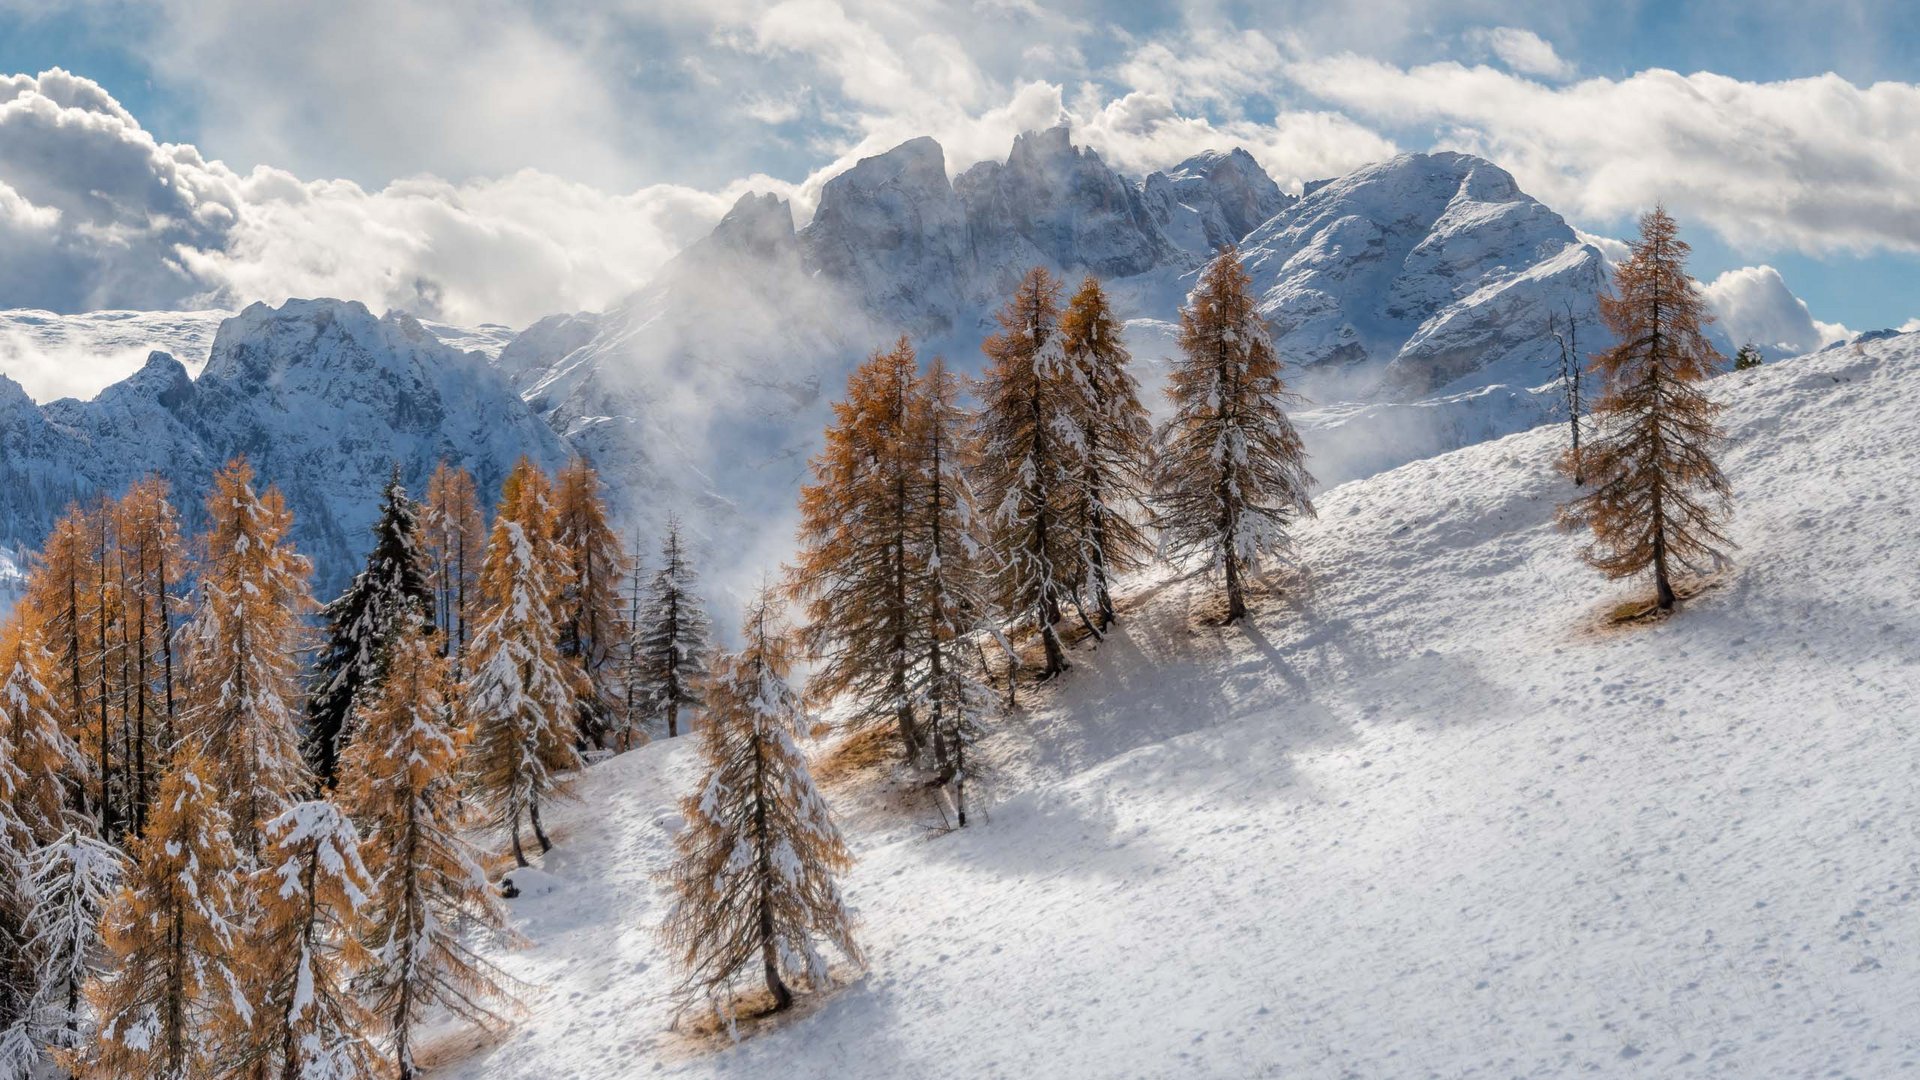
{"x":1522,"y":51}
{"x":1817,"y":164}
{"x":1753,"y":304}
{"x":1910,"y":326}
{"x":95,"y":213}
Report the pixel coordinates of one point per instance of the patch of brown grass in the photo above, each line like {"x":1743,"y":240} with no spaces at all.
{"x":862,"y":752}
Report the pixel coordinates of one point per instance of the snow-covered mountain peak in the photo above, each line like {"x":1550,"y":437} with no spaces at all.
{"x":162,"y":379}
{"x":892,"y":231}
{"x":1420,"y":272}
{"x":760,"y":225}
{"x":1229,"y":194}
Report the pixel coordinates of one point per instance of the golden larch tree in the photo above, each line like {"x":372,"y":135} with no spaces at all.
{"x":1232,"y":476}
{"x":1658,"y":497}
{"x":1028,"y":461}
{"x":1116,"y":439}
{"x":169,"y":978}
{"x":455,"y":525}
{"x":429,"y":886}
{"x":853,"y":568}
{"x":244,"y":700}
{"x":521,"y":693}
{"x":60,"y":589}
{"x":152,"y":568}
{"x":592,"y":624}
{"x":754,"y":869}
{"x":47,"y":761}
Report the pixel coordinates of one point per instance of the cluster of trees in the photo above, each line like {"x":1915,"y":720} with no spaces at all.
{"x":217,"y":860}
{"x":931,"y":530}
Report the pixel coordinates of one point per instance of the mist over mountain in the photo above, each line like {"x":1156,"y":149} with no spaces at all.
{"x":1410,"y":297}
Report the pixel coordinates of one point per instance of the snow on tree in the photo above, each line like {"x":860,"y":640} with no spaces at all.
{"x":303,"y":953}
{"x":1747,"y":357}
{"x":754,"y":869}
{"x":456,"y":540}
{"x":168,"y":987}
{"x":392,"y":597}
{"x":48,"y":763}
{"x":19,"y":966}
{"x":1232,"y":470}
{"x":1029,"y":467}
{"x":60,"y":588}
{"x":853,"y":569}
{"x":1568,"y":373}
{"x":74,"y":879}
{"x":947,"y":585}
{"x":398,"y":784}
{"x":521,"y":693}
{"x":245,"y":638}
{"x":592,"y":626}
{"x":1115,"y":443}
{"x":667,"y":659}
{"x":152,"y":566}
{"x":1658,"y":497}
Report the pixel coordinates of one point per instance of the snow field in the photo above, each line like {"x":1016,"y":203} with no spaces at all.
{"x":1423,"y":816}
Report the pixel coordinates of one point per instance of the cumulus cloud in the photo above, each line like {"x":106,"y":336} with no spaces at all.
{"x":95,"y":213}
{"x":1753,"y":304}
{"x":1522,"y":51}
{"x":1815,"y":164}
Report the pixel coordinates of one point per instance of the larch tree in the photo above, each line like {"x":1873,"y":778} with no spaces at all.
{"x":60,"y":589}
{"x":853,"y":569}
{"x":521,"y":694}
{"x":43,"y":949}
{"x":153,"y":568}
{"x":592,"y":624}
{"x":754,"y":869}
{"x":1232,"y":476}
{"x":48,"y":763}
{"x":1028,"y":461}
{"x":393,"y":596}
{"x":1116,"y":438}
{"x":948,"y":583}
{"x":456,"y":540}
{"x":244,"y":699}
{"x":429,"y":886}
{"x":169,"y":985}
{"x":303,"y":954}
{"x":667,"y":660}
{"x":1658,"y":498}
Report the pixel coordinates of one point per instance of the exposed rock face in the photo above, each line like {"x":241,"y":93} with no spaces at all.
{"x":1213,"y":199}
{"x":893,"y":231}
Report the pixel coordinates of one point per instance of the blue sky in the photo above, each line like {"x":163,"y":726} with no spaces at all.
{"x":598,"y":137}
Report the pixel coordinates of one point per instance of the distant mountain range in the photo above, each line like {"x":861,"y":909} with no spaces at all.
{"x":1412,"y":296}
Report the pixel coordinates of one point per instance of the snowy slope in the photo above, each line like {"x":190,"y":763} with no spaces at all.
{"x":1420,"y":818}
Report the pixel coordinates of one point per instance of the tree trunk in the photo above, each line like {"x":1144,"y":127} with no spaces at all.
{"x":539,"y":833}
{"x":1056,"y":656}
{"x":519,"y":853}
{"x":1236,"y":592}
